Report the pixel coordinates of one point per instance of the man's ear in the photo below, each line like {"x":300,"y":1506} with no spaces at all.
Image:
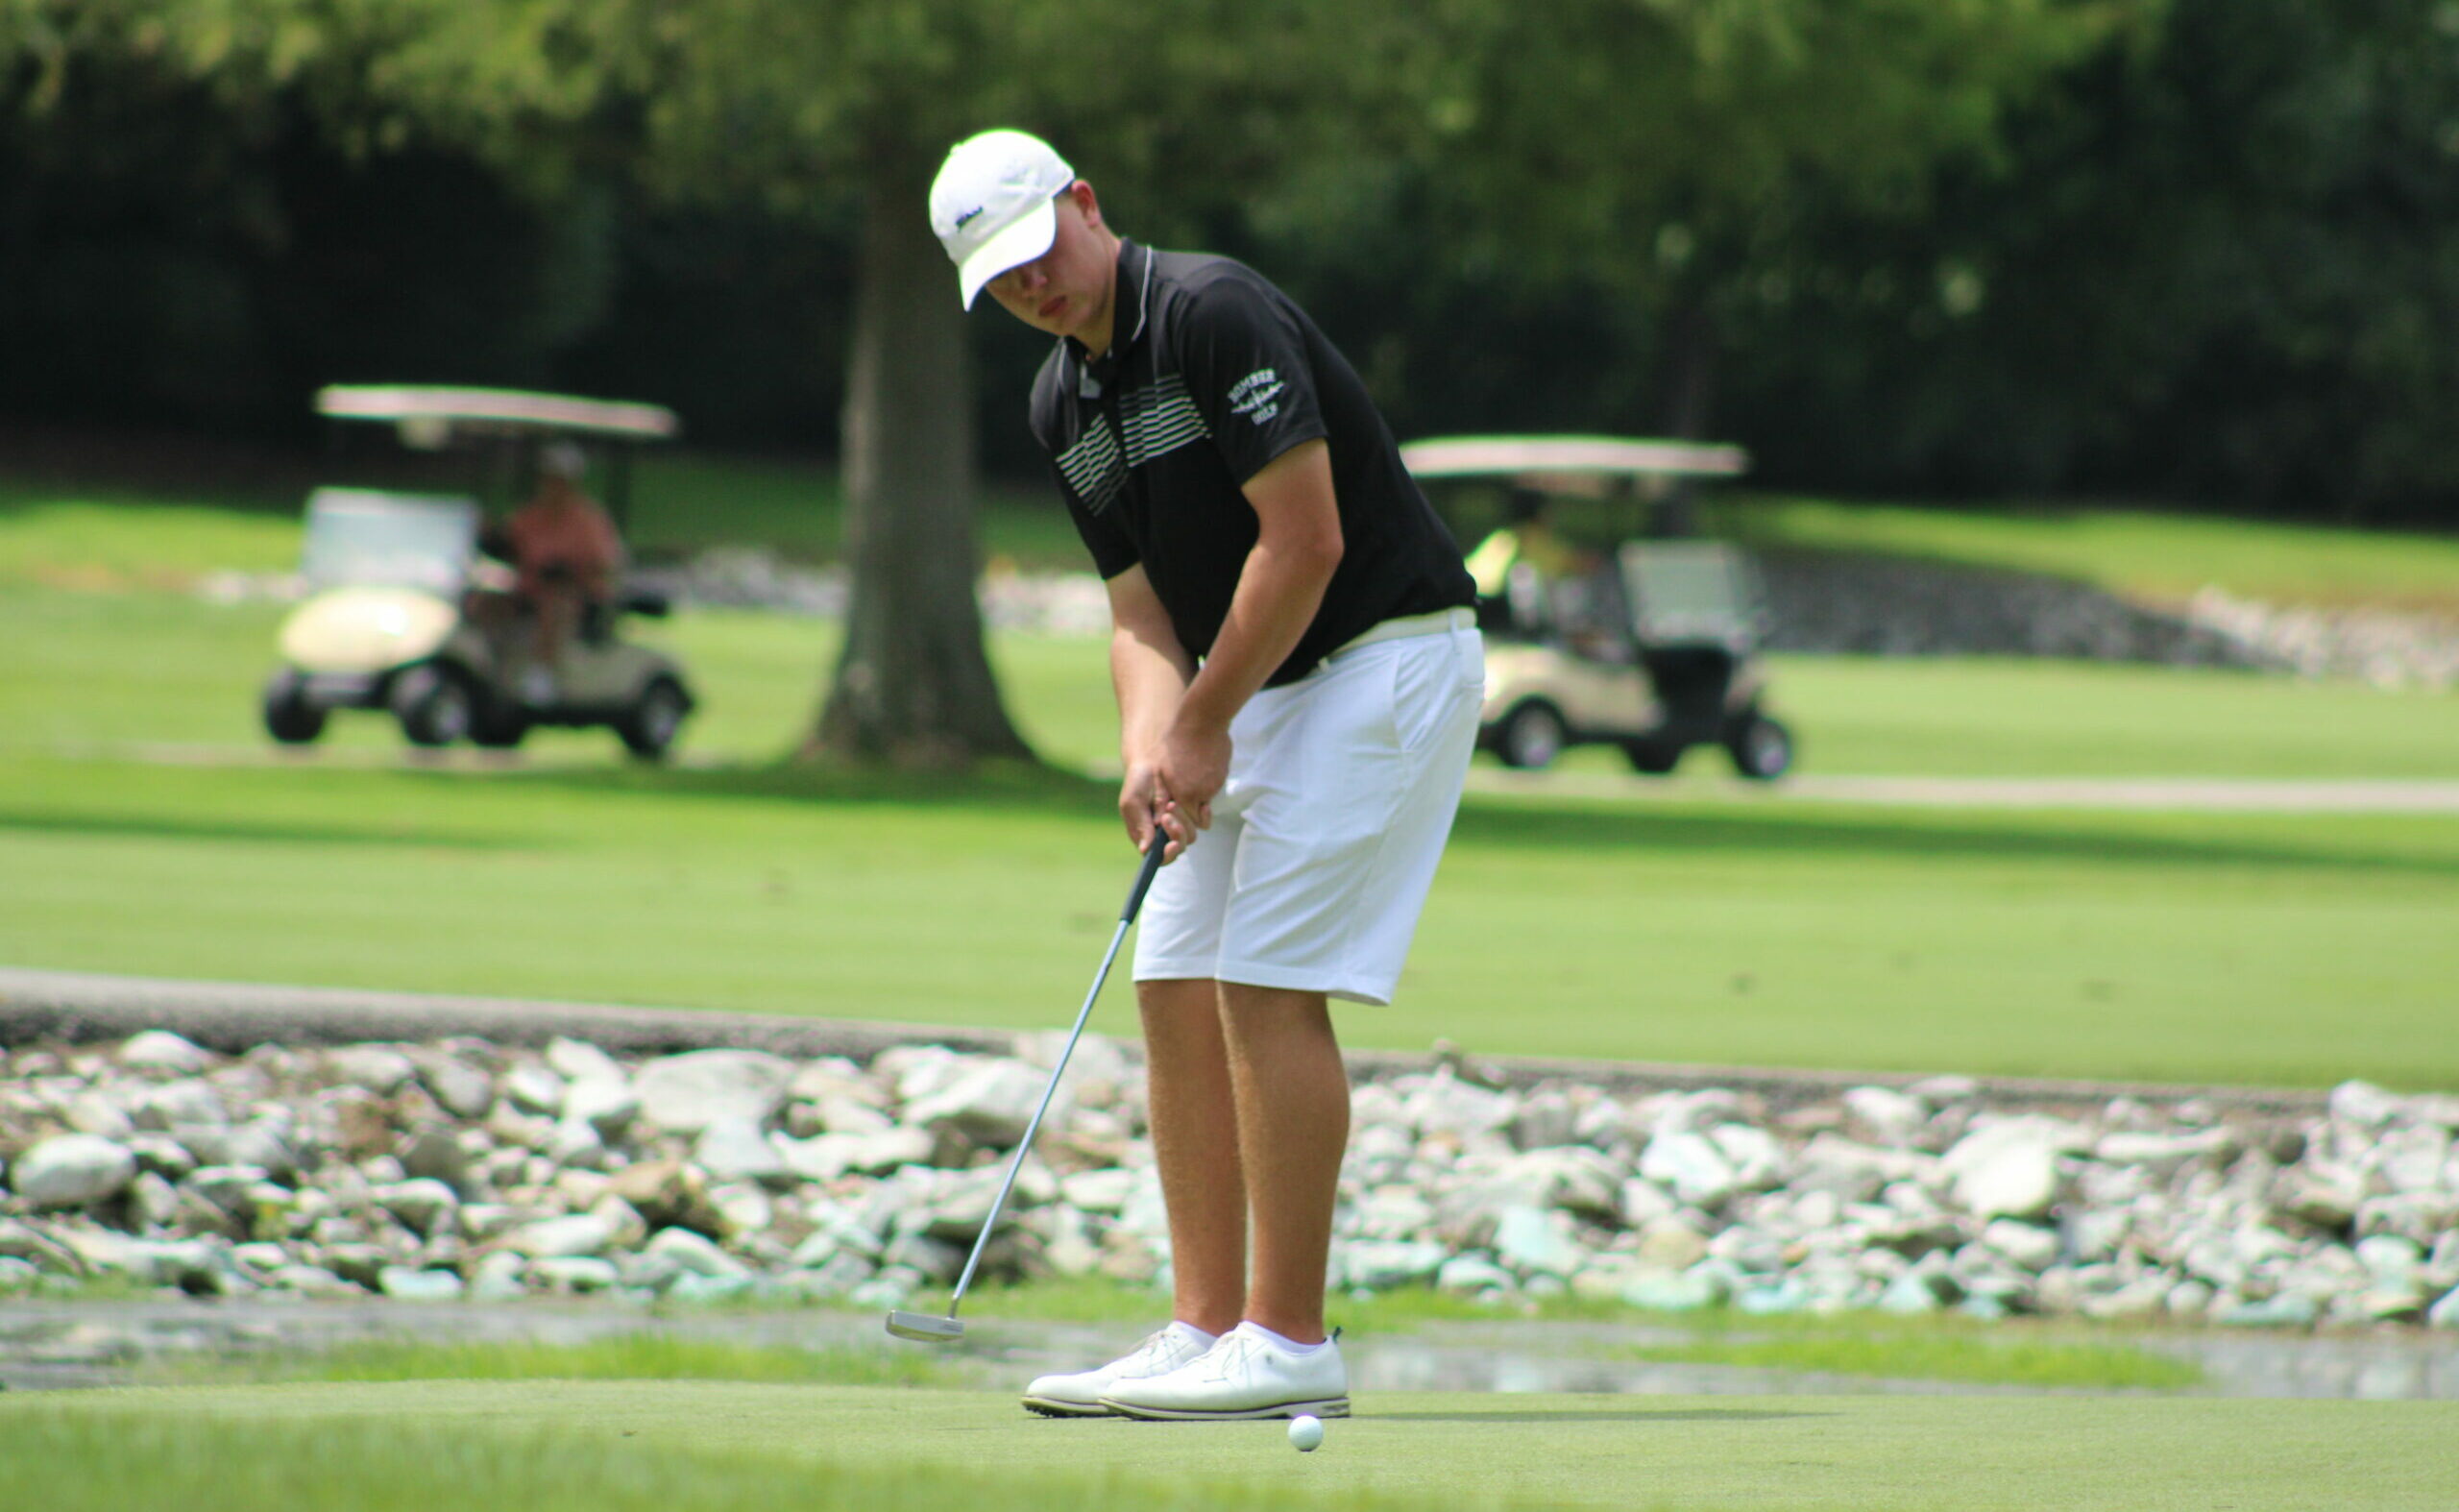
{"x":1090,"y":206}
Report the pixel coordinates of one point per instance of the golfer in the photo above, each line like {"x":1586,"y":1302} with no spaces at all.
{"x":1299,"y":676}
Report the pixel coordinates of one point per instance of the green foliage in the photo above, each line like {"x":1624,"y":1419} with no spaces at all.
{"x":2214,"y":267}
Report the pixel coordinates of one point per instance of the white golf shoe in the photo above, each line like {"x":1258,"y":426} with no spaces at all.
{"x":1080,"y":1395}
{"x":1245,"y":1375}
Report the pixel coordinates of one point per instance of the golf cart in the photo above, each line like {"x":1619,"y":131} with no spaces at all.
{"x":1610,"y":634}
{"x":405,"y":612}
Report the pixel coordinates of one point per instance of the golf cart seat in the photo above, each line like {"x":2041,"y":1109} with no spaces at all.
{"x":1696,"y":613}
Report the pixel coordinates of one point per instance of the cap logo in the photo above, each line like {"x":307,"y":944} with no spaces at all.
{"x":969,"y":215}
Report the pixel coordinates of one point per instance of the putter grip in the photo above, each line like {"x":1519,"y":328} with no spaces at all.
{"x":1144,"y":878}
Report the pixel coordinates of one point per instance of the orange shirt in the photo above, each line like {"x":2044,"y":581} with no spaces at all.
{"x":564,"y":528}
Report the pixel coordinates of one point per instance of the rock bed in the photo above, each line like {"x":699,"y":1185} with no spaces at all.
{"x":466,"y":1168}
{"x":1820,"y":603}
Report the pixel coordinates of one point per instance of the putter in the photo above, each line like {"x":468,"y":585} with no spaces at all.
{"x":927,"y":1329}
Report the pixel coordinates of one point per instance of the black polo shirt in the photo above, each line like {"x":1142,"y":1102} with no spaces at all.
{"x":1212,"y":373}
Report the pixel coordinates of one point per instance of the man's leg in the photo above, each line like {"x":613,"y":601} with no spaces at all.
{"x":1292,"y":1095}
{"x":1196,"y":1145}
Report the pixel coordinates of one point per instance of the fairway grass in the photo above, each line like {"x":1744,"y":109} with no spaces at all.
{"x":147,"y":828}
{"x":2255,"y":948}
{"x":490,"y":1445}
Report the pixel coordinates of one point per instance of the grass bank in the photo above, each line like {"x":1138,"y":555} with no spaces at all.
{"x":681,"y":1446}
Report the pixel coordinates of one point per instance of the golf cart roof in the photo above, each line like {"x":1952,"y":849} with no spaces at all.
{"x":432,"y":416}
{"x":1532,"y":457}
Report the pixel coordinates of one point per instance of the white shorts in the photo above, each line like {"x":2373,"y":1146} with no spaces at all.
{"x":1324,"y":841}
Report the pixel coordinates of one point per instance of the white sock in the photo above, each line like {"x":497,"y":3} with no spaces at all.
{"x":1282,"y":1342}
{"x":1190,"y":1330}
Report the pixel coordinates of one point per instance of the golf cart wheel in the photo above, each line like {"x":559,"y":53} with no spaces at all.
{"x":289,"y":717}
{"x":1531,"y":737}
{"x":499,"y":724}
{"x":649,"y":727}
{"x":435,"y":703}
{"x":1654,"y":758}
{"x":1762,"y":748}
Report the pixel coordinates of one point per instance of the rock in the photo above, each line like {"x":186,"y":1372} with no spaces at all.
{"x":696,"y":1255}
{"x":1576,"y":1179}
{"x":1669,"y":1291}
{"x":2363,"y":1104}
{"x":1382,"y":1264}
{"x":1537,"y":1241}
{"x":991,"y":1103}
{"x":1105,"y":1191}
{"x":734,"y":1149}
{"x":379,"y":1069}
{"x":311,"y":1280}
{"x":608,"y":1106}
{"x":742,"y":1208}
{"x":1764,"y":1298}
{"x":72,"y":1171}
{"x":577,"y":1060}
{"x":2287,"y":1310}
{"x":436,"y":1154}
{"x":428,"y":1207}
{"x":2027,"y":1245}
{"x":1692,"y":1165}
{"x":406,"y":1283}
{"x":1757,"y":1161}
{"x":534,"y":1089}
{"x":686,"y":1093}
{"x":562,"y":1238}
{"x":1546,"y":1120}
{"x":160,"y":1050}
{"x":1886,"y":1116}
{"x":1641,"y":1203}
{"x":1670,"y":1245}
{"x":2325,"y":1196}
{"x":1444,"y":1104}
{"x":2445,"y":1314}
{"x":182,"y":1105}
{"x":1472,"y":1274}
{"x":2006,"y":1170}
{"x":574,"y":1274}
{"x":93,"y":1113}
{"x":667,"y":1193}
{"x":499,"y":1276}
{"x":462,"y":1090}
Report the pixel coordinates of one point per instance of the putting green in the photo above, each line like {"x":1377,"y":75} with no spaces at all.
{"x":1830,"y":1454}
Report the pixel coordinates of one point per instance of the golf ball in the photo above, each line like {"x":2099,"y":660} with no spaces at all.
{"x":1304,"y":1433}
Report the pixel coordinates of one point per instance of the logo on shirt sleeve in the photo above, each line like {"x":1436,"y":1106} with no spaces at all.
{"x":1257,"y":395}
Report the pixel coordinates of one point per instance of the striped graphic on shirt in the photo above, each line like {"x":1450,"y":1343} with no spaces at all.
{"x":1160,"y":420}
{"x":1156,"y":421}
{"x":1093,"y":468}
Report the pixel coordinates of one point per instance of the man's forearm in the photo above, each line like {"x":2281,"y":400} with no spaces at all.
{"x":1150,"y":683}
{"x":1279,"y":589}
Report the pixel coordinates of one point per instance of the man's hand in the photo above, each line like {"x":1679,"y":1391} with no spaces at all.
{"x":1190,"y":768}
{"x":1146,"y":806}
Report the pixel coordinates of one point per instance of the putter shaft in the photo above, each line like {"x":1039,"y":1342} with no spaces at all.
{"x":915,"y":1327}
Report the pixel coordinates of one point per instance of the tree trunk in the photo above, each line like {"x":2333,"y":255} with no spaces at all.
{"x":1689,"y":388}
{"x":913,"y":686}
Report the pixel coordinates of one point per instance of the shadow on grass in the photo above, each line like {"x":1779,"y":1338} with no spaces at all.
{"x":1570,"y":826}
{"x":1954,"y":835}
{"x":1633,"y":1415}
{"x":163,"y":826}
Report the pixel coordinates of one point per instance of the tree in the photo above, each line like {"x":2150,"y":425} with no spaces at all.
{"x":1675,"y":155}
{"x":790,"y":101}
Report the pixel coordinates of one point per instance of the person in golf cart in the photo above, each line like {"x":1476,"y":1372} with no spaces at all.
{"x":569,"y":560}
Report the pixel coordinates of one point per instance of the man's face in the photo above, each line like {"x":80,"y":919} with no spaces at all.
{"x":1066,"y":290}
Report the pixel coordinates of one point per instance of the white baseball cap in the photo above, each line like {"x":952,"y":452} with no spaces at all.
{"x":992,"y":205}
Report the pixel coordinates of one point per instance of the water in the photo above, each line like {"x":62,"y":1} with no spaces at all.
{"x":51,"y":1344}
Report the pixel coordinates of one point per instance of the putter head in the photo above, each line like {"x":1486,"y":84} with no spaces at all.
{"x":926,"y":1328}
